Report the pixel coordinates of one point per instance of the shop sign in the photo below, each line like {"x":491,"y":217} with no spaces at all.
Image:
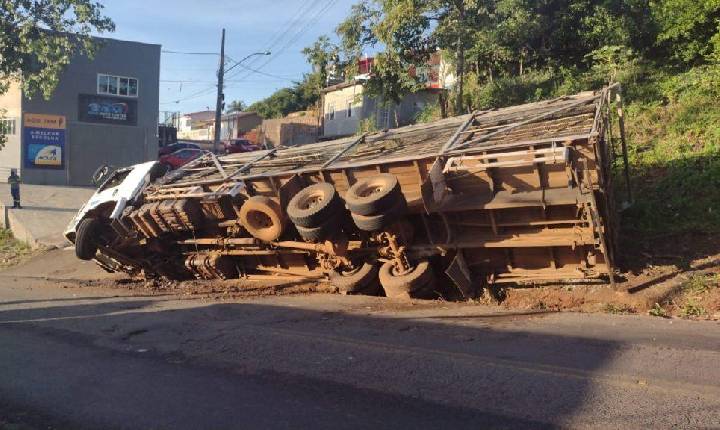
{"x":44,"y":140}
{"x":107,"y":110}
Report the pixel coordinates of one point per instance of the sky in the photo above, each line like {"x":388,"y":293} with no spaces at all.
{"x":187,"y":82}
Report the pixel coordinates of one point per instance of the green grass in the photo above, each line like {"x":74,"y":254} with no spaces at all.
{"x":618,"y":309}
{"x":674,"y":150}
{"x":658,"y":311}
{"x":691,"y":309}
{"x":12,"y":251}
{"x":699,"y":284}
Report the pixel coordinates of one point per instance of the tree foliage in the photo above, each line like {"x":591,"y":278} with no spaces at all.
{"x":486,"y":40}
{"x":236,"y":106}
{"x":302,"y":95}
{"x":688,"y":28}
{"x":38,"y":38}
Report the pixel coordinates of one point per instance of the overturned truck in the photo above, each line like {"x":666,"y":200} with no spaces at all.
{"x":513,"y":195}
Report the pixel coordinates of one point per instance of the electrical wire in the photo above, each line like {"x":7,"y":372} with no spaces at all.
{"x":309,"y":24}
{"x":305,"y":9}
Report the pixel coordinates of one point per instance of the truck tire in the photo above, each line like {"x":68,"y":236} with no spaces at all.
{"x":363,"y":280}
{"x":321,"y":233}
{"x":262,"y":218}
{"x":86,"y":239}
{"x":374,"y":223}
{"x":415,"y":283}
{"x":313,"y":205}
{"x":374,"y":195}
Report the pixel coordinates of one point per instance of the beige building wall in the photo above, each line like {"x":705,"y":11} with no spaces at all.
{"x":11,"y":109}
{"x":342,"y":110}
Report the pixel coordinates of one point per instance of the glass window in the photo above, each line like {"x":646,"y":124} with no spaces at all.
{"x":103,"y":82}
{"x":117,"y":86}
{"x":112,"y":85}
{"x":331,"y":112}
{"x":133,"y":91}
{"x":124,"y":86}
{"x":349,"y":109}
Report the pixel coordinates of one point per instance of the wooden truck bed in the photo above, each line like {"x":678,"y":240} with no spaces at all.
{"x":518,"y":194}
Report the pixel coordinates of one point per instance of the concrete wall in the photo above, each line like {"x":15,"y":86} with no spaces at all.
{"x":291,"y":131}
{"x":88,"y":145}
{"x":340,"y":124}
{"x":11,"y":108}
{"x":402,"y":114}
{"x":364,"y":108}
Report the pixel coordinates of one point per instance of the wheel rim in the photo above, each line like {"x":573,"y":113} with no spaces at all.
{"x":311,"y":201}
{"x":260,"y":220}
{"x":394,"y":271}
{"x":370,"y":190}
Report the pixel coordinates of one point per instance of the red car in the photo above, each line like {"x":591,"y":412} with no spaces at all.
{"x":169,"y":149}
{"x":240,"y":145}
{"x":179,"y":158}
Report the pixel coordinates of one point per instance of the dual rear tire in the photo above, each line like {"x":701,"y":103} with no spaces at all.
{"x":316,"y":212}
{"x":376,"y":202}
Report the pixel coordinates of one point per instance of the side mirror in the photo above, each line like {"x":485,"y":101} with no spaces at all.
{"x":100,"y":174}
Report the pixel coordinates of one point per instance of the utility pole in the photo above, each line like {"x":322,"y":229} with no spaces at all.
{"x":220,"y":95}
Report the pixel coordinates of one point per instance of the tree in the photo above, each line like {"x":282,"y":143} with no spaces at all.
{"x":688,"y":28}
{"x":236,"y":106}
{"x":38,"y":38}
{"x":320,"y":55}
{"x":301,"y":96}
{"x":410,"y":31}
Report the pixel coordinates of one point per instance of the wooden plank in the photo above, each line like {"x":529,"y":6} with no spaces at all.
{"x":347,"y":148}
{"x":521,"y":123}
{"x":453,"y":139}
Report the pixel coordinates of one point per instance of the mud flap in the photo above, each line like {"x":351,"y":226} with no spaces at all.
{"x":459,"y":273}
{"x":434,"y":189}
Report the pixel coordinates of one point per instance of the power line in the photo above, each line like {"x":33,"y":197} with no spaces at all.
{"x":303,"y":10}
{"x":293,"y":40}
{"x":289,"y":26}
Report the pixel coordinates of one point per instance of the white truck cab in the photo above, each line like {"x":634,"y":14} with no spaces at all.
{"x":120,"y":188}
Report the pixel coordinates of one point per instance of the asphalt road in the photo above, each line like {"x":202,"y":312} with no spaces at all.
{"x":83,"y":357}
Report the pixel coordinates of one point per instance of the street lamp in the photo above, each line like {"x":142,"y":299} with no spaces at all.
{"x":238,"y":63}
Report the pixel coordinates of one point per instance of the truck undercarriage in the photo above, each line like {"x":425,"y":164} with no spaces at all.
{"x":512,"y":195}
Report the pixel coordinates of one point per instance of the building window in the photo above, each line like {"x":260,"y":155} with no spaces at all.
{"x":117,"y":85}
{"x":8,"y":127}
{"x":349,"y":110}
{"x":331,"y":112}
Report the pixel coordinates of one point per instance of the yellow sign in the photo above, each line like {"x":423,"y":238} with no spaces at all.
{"x":55,"y":122}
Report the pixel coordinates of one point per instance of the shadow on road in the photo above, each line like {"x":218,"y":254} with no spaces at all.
{"x":249,"y":365}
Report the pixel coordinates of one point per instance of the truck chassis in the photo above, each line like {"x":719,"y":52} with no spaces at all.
{"x":513,"y":195}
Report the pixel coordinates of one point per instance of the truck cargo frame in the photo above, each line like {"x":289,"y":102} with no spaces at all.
{"x":512,"y":195}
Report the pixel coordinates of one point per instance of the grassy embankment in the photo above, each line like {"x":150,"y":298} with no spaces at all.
{"x":674,"y":147}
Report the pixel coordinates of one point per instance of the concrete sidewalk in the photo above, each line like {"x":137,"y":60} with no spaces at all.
{"x":46,"y":212}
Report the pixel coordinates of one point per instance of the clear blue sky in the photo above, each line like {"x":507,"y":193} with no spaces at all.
{"x":283,"y":26}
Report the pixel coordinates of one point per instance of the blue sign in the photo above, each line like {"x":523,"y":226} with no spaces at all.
{"x":44,"y":147}
{"x":107,"y":110}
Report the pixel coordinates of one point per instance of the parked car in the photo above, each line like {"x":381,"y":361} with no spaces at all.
{"x":169,"y":149}
{"x":240,"y":145}
{"x":179,"y":158}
